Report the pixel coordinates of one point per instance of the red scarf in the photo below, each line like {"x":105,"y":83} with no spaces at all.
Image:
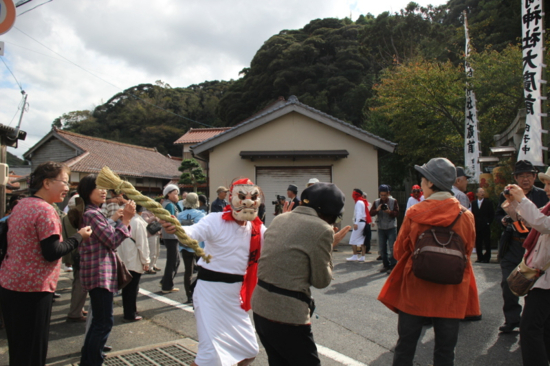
{"x":250,"y":277}
{"x":533,"y":237}
{"x":357,"y":197}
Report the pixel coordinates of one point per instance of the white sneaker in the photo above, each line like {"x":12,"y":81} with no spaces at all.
{"x":352,"y":258}
{"x":362,"y":259}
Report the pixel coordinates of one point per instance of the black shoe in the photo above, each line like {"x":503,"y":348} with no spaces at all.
{"x":508,"y":327}
{"x":379,"y":258}
{"x":107,"y":348}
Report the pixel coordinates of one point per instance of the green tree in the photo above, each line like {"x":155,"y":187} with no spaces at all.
{"x":192,"y":173}
{"x":320,"y":64}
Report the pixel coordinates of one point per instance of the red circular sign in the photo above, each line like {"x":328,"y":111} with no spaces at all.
{"x":7,"y":15}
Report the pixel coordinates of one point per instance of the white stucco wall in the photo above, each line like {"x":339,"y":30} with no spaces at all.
{"x":295,"y":131}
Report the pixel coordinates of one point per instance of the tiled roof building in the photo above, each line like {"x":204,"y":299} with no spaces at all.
{"x":144,"y":167}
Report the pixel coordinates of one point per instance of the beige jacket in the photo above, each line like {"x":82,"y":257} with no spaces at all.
{"x":296,"y":254}
{"x":541,"y":254}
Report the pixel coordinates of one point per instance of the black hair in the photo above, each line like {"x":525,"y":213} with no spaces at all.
{"x":433,"y":187}
{"x":202,"y":199}
{"x":47,"y":170}
{"x":86,"y":187}
{"x":14,"y":200}
{"x":358,"y":191}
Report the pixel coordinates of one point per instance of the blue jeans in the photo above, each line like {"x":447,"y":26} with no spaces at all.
{"x":386,"y":239}
{"x":102,"y":323}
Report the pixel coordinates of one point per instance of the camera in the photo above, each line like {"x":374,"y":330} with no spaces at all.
{"x":507,"y":192}
{"x":279,"y":198}
{"x":384,"y":207}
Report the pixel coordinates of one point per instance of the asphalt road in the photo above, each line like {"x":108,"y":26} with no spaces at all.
{"x":352,"y":327}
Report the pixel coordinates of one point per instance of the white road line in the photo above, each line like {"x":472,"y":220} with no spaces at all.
{"x":327,"y":352}
{"x":167,"y":301}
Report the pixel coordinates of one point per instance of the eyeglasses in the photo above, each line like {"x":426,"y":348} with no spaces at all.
{"x":525,"y":176}
{"x":67,"y":184}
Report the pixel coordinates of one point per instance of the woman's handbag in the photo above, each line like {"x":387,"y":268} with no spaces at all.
{"x":123,"y":275}
{"x":523,"y":278}
{"x":154,"y":227}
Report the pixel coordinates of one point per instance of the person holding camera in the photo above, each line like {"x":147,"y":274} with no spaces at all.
{"x":279,"y":204}
{"x":535,"y":321}
{"x":511,"y":249}
{"x":386,"y":210}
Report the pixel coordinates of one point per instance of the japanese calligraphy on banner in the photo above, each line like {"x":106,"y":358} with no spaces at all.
{"x":532,"y":45}
{"x":471,"y":134}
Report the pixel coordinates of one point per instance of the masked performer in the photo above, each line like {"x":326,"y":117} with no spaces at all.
{"x":225,"y":285}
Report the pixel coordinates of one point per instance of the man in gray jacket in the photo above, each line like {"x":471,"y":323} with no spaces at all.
{"x":296,"y":254}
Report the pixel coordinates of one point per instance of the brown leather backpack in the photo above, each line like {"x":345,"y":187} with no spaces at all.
{"x":440,"y":255}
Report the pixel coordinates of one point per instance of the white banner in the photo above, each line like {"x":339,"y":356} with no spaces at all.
{"x":533,"y":60}
{"x":471,"y":133}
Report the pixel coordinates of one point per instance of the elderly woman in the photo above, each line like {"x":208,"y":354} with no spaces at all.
{"x":535,"y":321}
{"x":98,"y":266}
{"x":29,"y":273}
{"x":134,"y":252}
{"x":415,"y":299}
{"x":170,"y":204}
{"x":190,"y":213}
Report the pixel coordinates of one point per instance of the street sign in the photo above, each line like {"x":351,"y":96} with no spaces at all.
{"x":7,"y":15}
{"x":1,"y":48}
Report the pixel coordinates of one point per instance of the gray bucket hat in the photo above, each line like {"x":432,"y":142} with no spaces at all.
{"x":191,"y":201}
{"x":439,"y":171}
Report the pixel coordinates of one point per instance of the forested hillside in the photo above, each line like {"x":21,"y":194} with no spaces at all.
{"x":398,"y":75}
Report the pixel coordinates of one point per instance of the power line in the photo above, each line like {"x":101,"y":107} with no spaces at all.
{"x":26,"y":11}
{"x":17,"y":81}
{"x":105,"y":81}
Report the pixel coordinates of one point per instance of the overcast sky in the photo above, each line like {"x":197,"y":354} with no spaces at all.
{"x":132,"y":42}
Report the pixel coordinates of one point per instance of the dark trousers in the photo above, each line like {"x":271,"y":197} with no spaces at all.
{"x":535,"y":328}
{"x":368,"y":236}
{"x":386,"y":239}
{"x":285,"y":344}
{"x":27,"y":319}
{"x":101,"y":301}
{"x":189,"y":263}
{"x":409,"y":328}
{"x":511,"y":307}
{"x":172,"y":264}
{"x":483,"y":242}
{"x":129,"y":296}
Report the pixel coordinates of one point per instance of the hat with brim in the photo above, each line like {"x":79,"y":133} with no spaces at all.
{"x":524,"y":166}
{"x":191,"y":201}
{"x":545,"y":177}
{"x":439,"y":171}
{"x":461,"y":173}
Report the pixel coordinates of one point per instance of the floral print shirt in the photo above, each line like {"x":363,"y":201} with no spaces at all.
{"x":24,"y":269}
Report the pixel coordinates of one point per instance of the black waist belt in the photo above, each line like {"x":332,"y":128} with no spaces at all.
{"x":213,"y":276}
{"x":295,"y":294}
{"x":362,"y":221}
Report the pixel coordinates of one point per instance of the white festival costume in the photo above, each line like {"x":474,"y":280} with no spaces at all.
{"x":226,"y":334}
{"x":357,"y":237}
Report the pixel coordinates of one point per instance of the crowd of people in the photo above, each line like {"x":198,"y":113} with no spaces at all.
{"x":270,"y":270}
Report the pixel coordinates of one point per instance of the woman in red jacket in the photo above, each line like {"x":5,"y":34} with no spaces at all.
{"x":415,"y":299}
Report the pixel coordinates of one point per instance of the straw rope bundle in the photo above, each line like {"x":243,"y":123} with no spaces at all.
{"x":109,"y":180}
